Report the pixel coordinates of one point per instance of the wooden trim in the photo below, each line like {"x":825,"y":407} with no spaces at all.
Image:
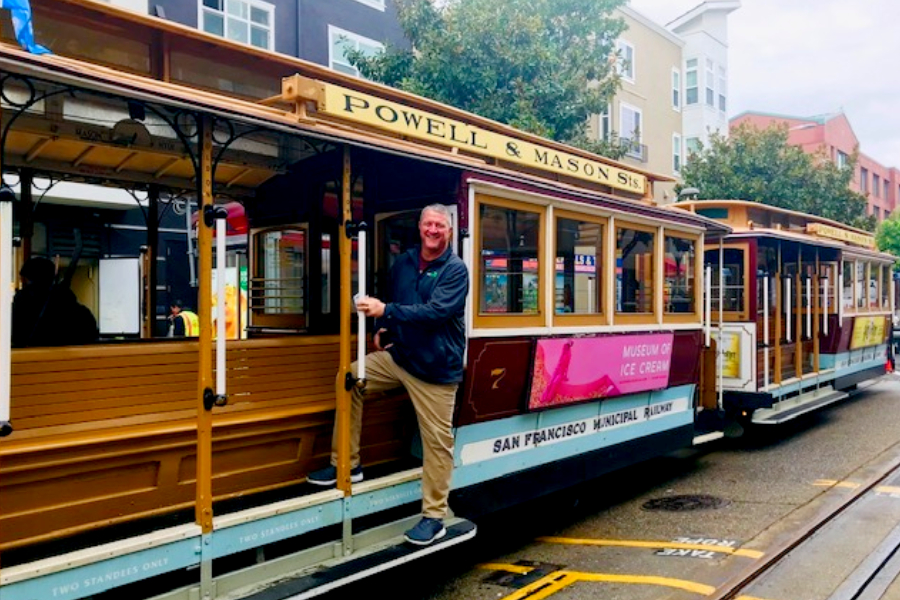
{"x":517,"y":320}
{"x":571,"y":319}
{"x":778,"y":326}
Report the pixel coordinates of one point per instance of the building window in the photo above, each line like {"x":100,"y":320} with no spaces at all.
{"x":379,"y":4}
{"x":710,"y":78}
{"x":876,"y":185}
{"x":604,"y":129}
{"x":246,"y":21}
{"x":340,"y":42}
{"x":630,"y":129}
{"x":842,"y":159}
{"x":863,"y":180}
{"x":676,"y":89}
{"x":691,"y":146}
{"x":578,"y":273}
{"x":691,"y":89}
{"x":626,"y":60}
{"x":885,"y":181}
{"x":676,"y":153}
{"x":722,"y":89}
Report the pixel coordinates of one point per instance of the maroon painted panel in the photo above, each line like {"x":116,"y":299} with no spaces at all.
{"x":496,"y":379}
{"x":830,"y":343}
{"x":686,"y":349}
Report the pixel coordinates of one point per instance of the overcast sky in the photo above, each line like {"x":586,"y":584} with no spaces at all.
{"x":809,"y":57}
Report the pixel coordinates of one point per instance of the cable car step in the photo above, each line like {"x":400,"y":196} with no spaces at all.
{"x":790,"y":409}
{"x":338,"y":572}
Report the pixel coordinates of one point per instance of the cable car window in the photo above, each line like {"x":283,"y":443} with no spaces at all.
{"x":847,"y":288}
{"x":873,"y":279}
{"x":579,"y":248}
{"x":885,"y":286}
{"x":277,"y":288}
{"x":510,"y":258}
{"x":634,"y":270}
{"x":680,"y":270}
{"x":732,"y":278}
{"x":860,"y":284}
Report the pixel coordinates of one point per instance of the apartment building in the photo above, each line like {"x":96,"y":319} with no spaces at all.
{"x":646,"y":111}
{"x":320,"y":31}
{"x":674,"y":89}
{"x":704,"y":30}
{"x":832,"y":135}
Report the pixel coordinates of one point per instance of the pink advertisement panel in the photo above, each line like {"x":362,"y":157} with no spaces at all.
{"x":568,"y":370}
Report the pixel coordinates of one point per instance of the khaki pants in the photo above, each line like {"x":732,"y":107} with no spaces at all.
{"x":434,"y":410}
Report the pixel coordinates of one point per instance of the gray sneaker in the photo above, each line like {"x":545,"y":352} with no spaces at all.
{"x":327,"y":477}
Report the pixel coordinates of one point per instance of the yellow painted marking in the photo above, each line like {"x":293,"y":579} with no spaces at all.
{"x":558,"y":580}
{"x":520,"y":569}
{"x":653,"y":545}
{"x":888,"y":489}
{"x":835,"y":483}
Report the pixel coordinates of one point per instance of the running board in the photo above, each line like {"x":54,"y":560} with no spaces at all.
{"x":794,"y":407}
{"x":342,"y":571}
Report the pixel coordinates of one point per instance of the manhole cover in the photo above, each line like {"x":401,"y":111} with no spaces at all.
{"x":685,"y":502}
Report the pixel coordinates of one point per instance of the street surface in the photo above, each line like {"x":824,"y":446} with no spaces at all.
{"x":614,"y":537}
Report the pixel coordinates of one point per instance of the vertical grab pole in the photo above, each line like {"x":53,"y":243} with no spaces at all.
{"x":720,"y":348}
{"x":707,"y":305}
{"x":221,"y":258}
{"x":766,"y":331}
{"x":6,"y":292}
{"x":343,"y":389}
{"x":825,"y":307}
{"x":809,"y":306}
{"x":203,"y":504}
{"x":787,"y":308}
{"x":361,"y":317}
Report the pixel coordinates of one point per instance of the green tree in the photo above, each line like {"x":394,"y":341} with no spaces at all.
{"x":887,"y":236}
{"x":760,"y":166}
{"x":543,"y":66}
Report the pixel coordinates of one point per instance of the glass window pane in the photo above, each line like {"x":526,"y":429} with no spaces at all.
{"x":579,"y":247}
{"x":847,"y":288}
{"x":259,"y":37}
{"x":213,"y":23}
{"x":369,"y":49}
{"x":860,"y":284}
{"x":634,"y":271}
{"x":258,"y":15}
{"x":339,"y":47}
{"x":885,"y":286}
{"x":680,"y":265}
{"x":733,"y":277}
{"x":509,"y":260}
{"x":237,"y":8}
{"x":216,"y":4}
{"x":873,"y":285}
{"x":237,"y":31}
{"x":281,"y":269}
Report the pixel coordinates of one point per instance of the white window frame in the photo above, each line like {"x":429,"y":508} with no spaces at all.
{"x":627,"y":73}
{"x":630,"y":134}
{"x":677,"y":154}
{"x":259,"y":4}
{"x":676,"y":90}
{"x":709,"y":79}
{"x":722,"y":98}
{"x":334,"y":33}
{"x":376,"y":4}
{"x":695,"y":69}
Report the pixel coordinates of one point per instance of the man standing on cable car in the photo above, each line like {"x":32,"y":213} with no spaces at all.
{"x":420,"y":336}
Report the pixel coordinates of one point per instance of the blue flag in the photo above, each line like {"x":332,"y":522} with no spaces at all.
{"x":21,"y":18}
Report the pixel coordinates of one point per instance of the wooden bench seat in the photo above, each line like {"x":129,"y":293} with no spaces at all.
{"x":107,"y":433}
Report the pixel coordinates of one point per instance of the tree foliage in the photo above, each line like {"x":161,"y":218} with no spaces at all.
{"x":760,"y":166}
{"x":887,"y":236}
{"x":543,"y":66}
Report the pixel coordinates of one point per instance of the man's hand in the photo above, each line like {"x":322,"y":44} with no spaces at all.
{"x":372,"y":307}
{"x":377,"y":339}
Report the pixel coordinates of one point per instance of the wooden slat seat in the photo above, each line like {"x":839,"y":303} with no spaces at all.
{"x":107,"y":433}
